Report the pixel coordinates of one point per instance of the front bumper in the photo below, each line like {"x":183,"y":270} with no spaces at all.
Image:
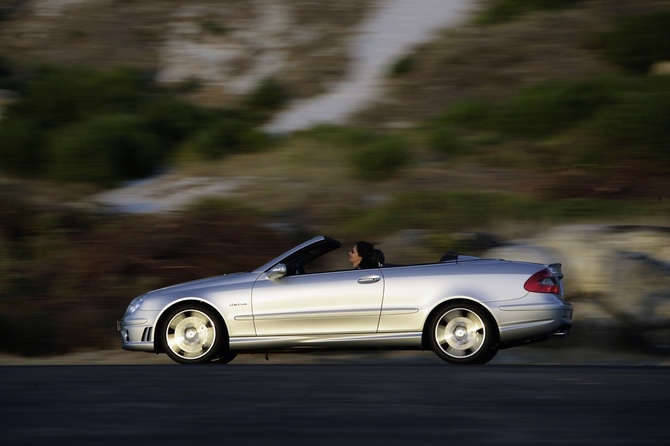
{"x":137,"y":334}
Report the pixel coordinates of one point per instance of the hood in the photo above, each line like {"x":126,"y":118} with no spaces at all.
{"x":216,"y":281}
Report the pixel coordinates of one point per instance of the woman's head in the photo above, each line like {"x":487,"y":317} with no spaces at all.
{"x":361,"y":253}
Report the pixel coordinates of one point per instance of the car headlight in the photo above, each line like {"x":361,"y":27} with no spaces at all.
{"x":135,"y":304}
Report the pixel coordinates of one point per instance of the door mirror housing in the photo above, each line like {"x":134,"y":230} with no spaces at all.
{"x":277,"y":272}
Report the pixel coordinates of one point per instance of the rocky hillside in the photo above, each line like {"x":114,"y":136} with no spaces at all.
{"x":226,"y":47}
{"x":222,"y":49}
{"x":215,"y":51}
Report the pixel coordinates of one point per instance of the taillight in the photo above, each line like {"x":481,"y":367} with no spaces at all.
{"x":542,"y":282}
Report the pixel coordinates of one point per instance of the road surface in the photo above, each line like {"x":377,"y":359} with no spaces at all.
{"x":334,"y":404}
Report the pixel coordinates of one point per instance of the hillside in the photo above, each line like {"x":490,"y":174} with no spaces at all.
{"x":226,"y":47}
{"x":544,"y":130}
{"x":223,"y":49}
{"x":218,"y":54}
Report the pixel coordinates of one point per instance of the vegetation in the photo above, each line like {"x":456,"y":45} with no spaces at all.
{"x":454,"y":211}
{"x":106,"y":126}
{"x":379,"y":157}
{"x":636,"y":42}
{"x":101,"y":127}
{"x":67,"y":275}
{"x":620,"y":117}
{"x":500,"y":11}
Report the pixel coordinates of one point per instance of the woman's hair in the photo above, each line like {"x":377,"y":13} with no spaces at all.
{"x":366,"y":251}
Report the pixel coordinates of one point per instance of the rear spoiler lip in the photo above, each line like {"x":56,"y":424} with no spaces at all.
{"x":556,"y":269}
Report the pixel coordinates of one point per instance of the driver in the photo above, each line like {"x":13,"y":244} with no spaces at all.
{"x":361,"y":256}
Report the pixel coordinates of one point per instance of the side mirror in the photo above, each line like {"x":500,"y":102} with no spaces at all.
{"x":277,"y":272}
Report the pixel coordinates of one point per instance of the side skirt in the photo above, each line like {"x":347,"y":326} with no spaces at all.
{"x":334,"y":341}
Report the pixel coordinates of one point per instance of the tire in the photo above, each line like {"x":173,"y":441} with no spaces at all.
{"x":463,"y":333}
{"x":192,"y":334}
{"x":225,"y":357}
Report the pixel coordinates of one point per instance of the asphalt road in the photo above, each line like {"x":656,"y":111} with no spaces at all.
{"x":334,"y":404}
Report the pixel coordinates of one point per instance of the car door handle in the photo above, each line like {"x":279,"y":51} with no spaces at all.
{"x":369,"y":279}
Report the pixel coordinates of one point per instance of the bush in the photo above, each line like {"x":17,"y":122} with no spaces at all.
{"x":466,"y":114}
{"x":499,"y":11}
{"x":550,"y":107}
{"x":446,"y":141}
{"x":21,"y":147}
{"x":172,"y":121}
{"x":538,"y":111}
{"x":340,"y":135}
{"x":113,"y":125}
{"x":637,"y":127}
{"x":637,"y":41}
{"x":103,"y":150}
{"x":379,"y":158}
{"x":6,"y":72}
{"x":231,"y":132}
{"x":59,"y":96}
{"x":403,"y":66}
{"x":462,"y":210}
{"x":269,"y":95}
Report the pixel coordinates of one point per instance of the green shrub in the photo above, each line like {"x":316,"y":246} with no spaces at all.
{"x":538,"y":111}
{"x":379,"y":158}
{"x":6,"y":73}
{"x":372,"y":156}
{"x":499,"y":11}
{"x":21,"y":147}
{"x":268,"y":95}
{"x":402,"y":66}
{"x":340,"y":135}
{"x":232,"y":132}
{"x":637,"y":127}
{"x":550,"y":107}
{"x":466,"y":114}
{"x":103,"y":150}
{"x":79,"y":124}
{"x":60,"y":96}
{"x":451,"y":211}
{"x":637,"y":41}
{"x":445,"y":141}
{"x":172,"y":121}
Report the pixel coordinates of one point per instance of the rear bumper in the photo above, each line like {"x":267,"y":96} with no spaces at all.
{"x":530,"y":322}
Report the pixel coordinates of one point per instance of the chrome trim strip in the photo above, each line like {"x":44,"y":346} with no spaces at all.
{"x":373,"y":312}
{"x":399,"y":311}
{"x":534,"y":307}
{"x":407,"y":340}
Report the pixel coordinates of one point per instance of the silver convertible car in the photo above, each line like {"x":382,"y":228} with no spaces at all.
{"x":462,"y":308}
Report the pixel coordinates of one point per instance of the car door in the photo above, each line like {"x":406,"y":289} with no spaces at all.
{"x":320,"y":303}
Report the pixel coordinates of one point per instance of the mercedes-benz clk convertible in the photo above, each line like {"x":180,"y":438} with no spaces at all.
{"x":462,"y":308}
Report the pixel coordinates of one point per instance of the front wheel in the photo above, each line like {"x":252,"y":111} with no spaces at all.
{"x":463,"y":334}
{"x":191,"y":334}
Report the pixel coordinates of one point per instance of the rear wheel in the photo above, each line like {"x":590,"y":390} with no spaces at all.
{"x":191,"y":334}
{"x":463,"y":334}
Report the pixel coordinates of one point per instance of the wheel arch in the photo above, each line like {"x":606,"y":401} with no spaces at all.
{"x":161,"y":320}
{"x":425,"y":334}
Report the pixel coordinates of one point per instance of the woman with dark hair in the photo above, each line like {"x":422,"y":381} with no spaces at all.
{"x":361,"y":256}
